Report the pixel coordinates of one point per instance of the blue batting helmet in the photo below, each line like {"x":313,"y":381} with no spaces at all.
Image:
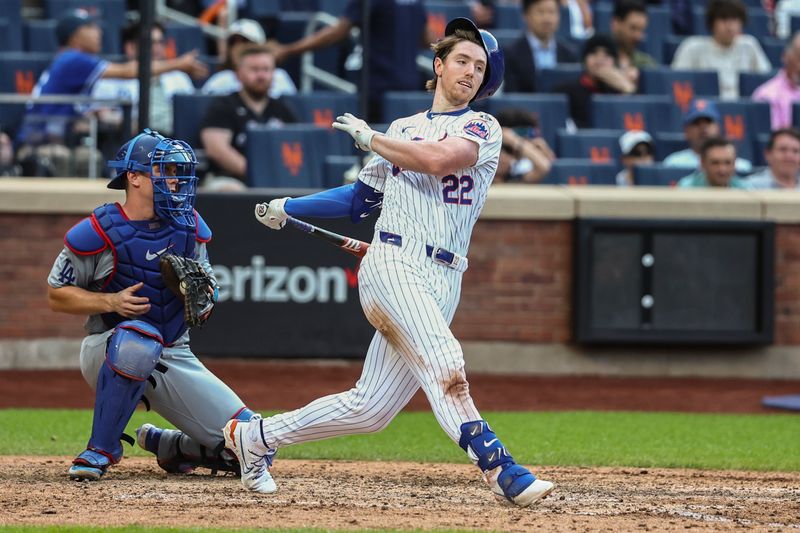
{"x":495,"y":64}
{"x":164,"y":160}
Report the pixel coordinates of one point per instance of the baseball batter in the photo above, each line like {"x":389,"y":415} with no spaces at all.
{"x":432,"y":172}
{"x":138,"y":342}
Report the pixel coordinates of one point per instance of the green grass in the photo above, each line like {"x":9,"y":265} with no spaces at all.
{"x":586,"y":438}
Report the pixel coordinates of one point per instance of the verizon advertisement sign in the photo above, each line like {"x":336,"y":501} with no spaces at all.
{"x":282,"y":293}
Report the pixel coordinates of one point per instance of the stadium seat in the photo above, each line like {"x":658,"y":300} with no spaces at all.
{"x":600,"y":146}
{"x":602,"y":13}
{"x":402,"y":104}
{"x":758,"y":21}
{"x":335,"y":168}
{"x":19,"y":72}
{"x":262,"y":9}
{"x":750,"y":81}
{"x":758,"y":149}
{"x":322,"y":107}
{"x":658,"y":175}
{"x":332,"y":7}
{"x":11,"y":26}
{"x":182,"y":38}
{"x":796,"y":115}
{"x":505,"y":37}
{"x":440,"y":12}
{"x":774,"y":50}
{"x":548,"y":79}
{"x":550,"y":108}
{"x":659,"y":26}
{"x":508,"y":17}
{"x":682,"y":85}
{"x":581,"y":172}
{"x":667,"y":143}
{"x":670,"y":45}
{"x":742,"y":121}
{"x":635,"y":112}
{"x":291,"y":27}
{"x":292,"y":156}
{"x":40,"y":35}
{"x":188,"y":111}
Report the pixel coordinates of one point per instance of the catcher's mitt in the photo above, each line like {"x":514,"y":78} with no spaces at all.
{"x":188,"y":280}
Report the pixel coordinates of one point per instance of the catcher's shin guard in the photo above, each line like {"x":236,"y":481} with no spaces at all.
{"x":131,"y":355}
{"x":506,"y":478}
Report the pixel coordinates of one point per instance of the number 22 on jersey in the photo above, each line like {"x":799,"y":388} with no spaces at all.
{"x":456,"y":190}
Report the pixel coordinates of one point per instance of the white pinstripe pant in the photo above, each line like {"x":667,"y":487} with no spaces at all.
{"x":411,"y":301}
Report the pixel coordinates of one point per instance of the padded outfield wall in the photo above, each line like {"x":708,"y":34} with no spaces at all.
{"x":288,"y":295}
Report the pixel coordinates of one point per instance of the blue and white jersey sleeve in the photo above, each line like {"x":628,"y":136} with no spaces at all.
{"x":377,"y":169}
{"x":483,"y":130}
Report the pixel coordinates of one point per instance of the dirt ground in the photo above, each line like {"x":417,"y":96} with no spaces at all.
{"x":354,"y":495}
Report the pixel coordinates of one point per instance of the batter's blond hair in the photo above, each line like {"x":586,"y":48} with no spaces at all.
{"x":443,"y":47}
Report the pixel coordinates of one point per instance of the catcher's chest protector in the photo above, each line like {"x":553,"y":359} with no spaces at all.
{"x":137,"y":246}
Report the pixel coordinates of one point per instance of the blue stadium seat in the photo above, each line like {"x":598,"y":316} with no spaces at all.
{"x":19,"y":72}
{"x":758,"y":23}
{"x":796,"y":115}
{"x":635,"y":112}
{"x":182,"y":38}
{"x":403,"y":104}
{"x":508,"y":17}
{"x":548,"y":79}
{"x":110,"y":12}
{"x":671,"y":43}
{"x":581,"y":172}
{"x":600,"y":146}
{"x":602,"y":14}
{"x":564,"y":26}
{"x":682,"y":85}
{"x":322,"y":107}
{"x":794,"y":24}
{"x":550,"y":108}
{"x":261,"y":9}
{"x":658,"y":175}
{"x":332,"y":7}
{"x":505,"y":37}
{"x":750,"y":81}
{"x":440,"y":12}
{"x":773,"y":48}
{"x":292,"y":156}
{"x":742,"y":121}
{"x":667,"y":143}
{"x":659,"y":26}
{"x":11,"y":26}
{"x":758,"y":149}
{"x":336,"y":166}
{"x":188,"y":111}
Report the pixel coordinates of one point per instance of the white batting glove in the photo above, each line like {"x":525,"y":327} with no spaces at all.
{"x":358,"y":130}
{"x":272,"y":214}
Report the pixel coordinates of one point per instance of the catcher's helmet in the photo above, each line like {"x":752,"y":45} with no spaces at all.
{"x":162,"y":159}
{"x":495,"y":64}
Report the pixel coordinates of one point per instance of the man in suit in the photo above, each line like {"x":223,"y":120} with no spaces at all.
{"x":538,"y":48}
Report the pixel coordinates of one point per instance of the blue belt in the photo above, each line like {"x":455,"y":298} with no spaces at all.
{"x":440,"y":255}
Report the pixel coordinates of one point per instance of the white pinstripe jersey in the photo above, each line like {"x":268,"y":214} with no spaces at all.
{"x":437,"y":210}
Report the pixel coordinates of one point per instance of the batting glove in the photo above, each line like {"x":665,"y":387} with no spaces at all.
{"x":272,"y":214}
{"x":358,"y":130}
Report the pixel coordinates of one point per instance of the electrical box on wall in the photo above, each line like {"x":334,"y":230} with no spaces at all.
{"x":673,"y":281}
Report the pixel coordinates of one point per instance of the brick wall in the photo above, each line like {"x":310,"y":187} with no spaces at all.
{"x":518,"y":287}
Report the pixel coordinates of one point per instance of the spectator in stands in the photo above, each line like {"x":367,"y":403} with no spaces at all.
{"x":637,"y":148}
{"x":783,"y":90}
{"x":8,"y":166}
{"x":628,"y":27}
{"x":224,"y":129}
{"x":538,"y":48}
{"x":162,"y":87}
{"x":48,"y":130}
{"x":783,"y":162}
{"x":726,"y":50}
{"x":581,"y":21}
{"x":395,"y":27}
{"x":600,"y":75}
{"x":240,"y":34}
{"x":784,"y":11}
{"x":700,"y":123}
{"x":717,"y":167}
{"x":482,"y":12}
{"x":525,"y":156}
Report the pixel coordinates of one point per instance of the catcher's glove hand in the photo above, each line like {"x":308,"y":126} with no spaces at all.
{"x":188,"y":280}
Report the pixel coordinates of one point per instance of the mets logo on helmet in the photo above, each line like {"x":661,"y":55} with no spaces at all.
{"x":477,"y":128}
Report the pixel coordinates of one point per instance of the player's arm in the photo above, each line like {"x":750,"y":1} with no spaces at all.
{"x":77,"y":301}
{"x":219,"y":147}
{"x":187,"y":63}
{"x":437,"y":158}
{"x":325,"y":37}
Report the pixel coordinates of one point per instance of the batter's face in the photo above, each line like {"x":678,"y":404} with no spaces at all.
{"x":462,"y":72}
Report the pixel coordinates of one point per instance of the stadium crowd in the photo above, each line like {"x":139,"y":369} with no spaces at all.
{"x":624,"y":92}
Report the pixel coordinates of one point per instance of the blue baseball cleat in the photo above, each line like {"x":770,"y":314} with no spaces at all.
{"x":515,"y":484}
{"x":148,"y":438}
{"x":89,"y":466}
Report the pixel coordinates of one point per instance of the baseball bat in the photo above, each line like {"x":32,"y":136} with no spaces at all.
{"x":348,"y":244}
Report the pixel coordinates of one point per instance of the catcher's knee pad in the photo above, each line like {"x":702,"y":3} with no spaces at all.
{"x":131,"y":356}
{"x":482,"y":445}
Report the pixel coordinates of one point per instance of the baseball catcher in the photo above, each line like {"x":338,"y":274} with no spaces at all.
{"x":118,"y":266}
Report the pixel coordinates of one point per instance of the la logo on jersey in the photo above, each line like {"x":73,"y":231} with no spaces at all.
{"x":477,"y":128}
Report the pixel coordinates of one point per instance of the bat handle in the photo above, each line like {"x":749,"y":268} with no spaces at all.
{"x":299,"y":224}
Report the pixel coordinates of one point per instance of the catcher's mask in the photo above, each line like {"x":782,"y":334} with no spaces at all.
{"x":495,"y":64}
{"x":164,"y":160}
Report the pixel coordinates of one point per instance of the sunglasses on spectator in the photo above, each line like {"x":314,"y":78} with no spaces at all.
{"x":640,"y":151}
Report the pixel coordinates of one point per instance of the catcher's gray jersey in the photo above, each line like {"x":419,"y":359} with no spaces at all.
{"x":186,"y":394}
